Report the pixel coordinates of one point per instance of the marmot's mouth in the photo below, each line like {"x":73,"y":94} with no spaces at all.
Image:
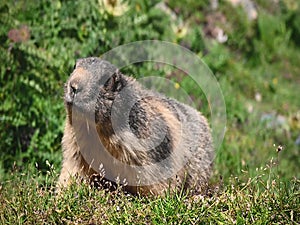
{"x":69,"y":104}
{"x":69,"y":107}
{"x":78,"y":113}
{"x":69,"y":96}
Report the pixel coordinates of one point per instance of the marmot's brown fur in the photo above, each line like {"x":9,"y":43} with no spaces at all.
{"x":117,"y":126}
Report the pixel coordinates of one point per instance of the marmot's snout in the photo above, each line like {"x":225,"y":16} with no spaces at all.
{"x":71,"y":90}
{"x":75,"y":84}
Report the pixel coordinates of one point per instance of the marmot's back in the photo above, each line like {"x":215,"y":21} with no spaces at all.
{"x":152,"y":141}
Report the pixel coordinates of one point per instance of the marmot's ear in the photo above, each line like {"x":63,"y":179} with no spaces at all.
{"x":114,"y":83}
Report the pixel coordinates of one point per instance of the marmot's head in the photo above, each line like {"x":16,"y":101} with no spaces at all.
{"x":92,"y":80}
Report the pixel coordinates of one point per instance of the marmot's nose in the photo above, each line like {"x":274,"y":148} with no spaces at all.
{"x":72,"y":89}
{"x":75,"y":84}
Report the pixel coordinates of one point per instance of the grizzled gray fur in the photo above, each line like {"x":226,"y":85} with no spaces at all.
{"x":122,"y":131}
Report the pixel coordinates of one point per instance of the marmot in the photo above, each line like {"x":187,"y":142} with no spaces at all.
{"x":116,"y":126}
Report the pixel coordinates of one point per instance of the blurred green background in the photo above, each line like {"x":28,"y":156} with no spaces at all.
{"x":253,"y":50}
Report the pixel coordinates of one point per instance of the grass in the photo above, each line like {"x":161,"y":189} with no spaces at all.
{"x":263,"y":199}
{"x":257,"y":69}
